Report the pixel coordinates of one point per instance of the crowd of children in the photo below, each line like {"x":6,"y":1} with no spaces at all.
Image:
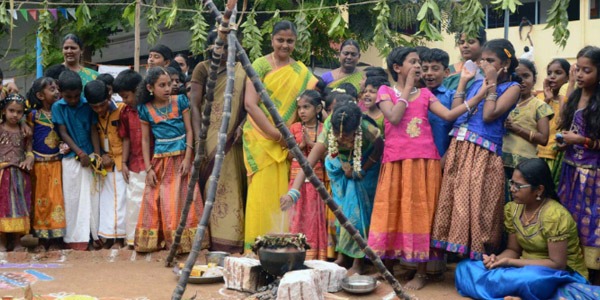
{"x":421,"y":165}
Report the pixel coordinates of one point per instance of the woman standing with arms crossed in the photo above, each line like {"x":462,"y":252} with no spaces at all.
{"x":265,"y":153}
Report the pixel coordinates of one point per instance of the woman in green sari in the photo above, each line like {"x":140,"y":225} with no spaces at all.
{"x":72,"y":48}
{"x":347,"y":72}
{"x":265,"y":152}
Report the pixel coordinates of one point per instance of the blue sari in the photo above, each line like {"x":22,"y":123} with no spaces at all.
{"x":355,"y":197}
{"x":474,"y":280}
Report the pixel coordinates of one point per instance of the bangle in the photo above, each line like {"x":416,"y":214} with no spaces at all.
{"x":28,"y":154}
{"x":190,"y":146}
{"x":404,"y":100}
{"x":467,"y":106}
{"x":81,"y":153}
{"x":531,"y":135}
{"x":491,"y":97}
{"x":491,"y":85}
{"x":372,"y":160}
{"x":294,"y":194}
{"x":149,"y":169}
{"x":459,"y":95}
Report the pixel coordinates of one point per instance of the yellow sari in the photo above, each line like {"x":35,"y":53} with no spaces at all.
{"x":266,"y":162}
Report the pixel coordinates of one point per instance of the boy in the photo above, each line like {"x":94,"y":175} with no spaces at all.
{"x":132,"y":161}
{"x":76,"y":123}
{"x":159,"y":56}
{"x":434,"y":64}
{"x":112,"y":192}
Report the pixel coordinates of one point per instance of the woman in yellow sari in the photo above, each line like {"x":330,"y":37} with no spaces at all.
{"x":347,"y":72}
{"x":265,"y":154}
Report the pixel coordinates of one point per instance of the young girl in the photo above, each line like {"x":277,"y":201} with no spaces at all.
{"x":411,"y":173}
{"x":368,"y":97}
{"x":16,"y":161}
{"x":354,"y":148}
{"x":527,"y":124}
{"x":468,"y":218}
{"x":308,"y":214}
{"x":555,"y":87}
{"x":168,"y":120}
{"x":48,"y":205}
{"x":579,"y":187}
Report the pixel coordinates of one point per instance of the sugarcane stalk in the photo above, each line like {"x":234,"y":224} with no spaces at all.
{"x":219,"y":156}
{"x":308,"y":171}
{"x":200,"y":149}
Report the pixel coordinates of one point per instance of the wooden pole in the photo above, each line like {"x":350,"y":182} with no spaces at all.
{"x":293,"y":146}
{"x":136,"y":50}
{"x":220,"y":154}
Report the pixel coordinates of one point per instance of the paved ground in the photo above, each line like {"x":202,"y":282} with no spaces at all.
{"x":122,"y":274}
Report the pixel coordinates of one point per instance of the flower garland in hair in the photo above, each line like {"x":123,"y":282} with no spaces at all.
{"x":356,"y":163}
{"x":332,"y":145}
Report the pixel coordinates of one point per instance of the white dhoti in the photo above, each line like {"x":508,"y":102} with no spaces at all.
{"x":81,"y":194}
{"x":135,"y":192}
{"x":112,"y":206}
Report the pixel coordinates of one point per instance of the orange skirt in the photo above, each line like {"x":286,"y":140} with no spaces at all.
{"x":161,"y":209}
{"x":48,"y":201}
{"x":405,"y":202}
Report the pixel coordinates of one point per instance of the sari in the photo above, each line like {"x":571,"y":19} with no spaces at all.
{"x":266,"y":162}
{"x":227,"y":219}
{"x":354,"y":79}
{"x":554,"y":224}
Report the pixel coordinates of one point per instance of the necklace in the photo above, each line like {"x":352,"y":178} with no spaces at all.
{"x":529,"y":219}
{"x":523,"y":102}
{"x":398,"y":93}
{"x":275,"y":61}
{"x":163,"y":114}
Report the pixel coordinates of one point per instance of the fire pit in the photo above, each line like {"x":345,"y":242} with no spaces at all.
{"x":281,"y":253}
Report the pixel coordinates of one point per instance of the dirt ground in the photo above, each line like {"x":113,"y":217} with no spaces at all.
{"x":124,"y":274}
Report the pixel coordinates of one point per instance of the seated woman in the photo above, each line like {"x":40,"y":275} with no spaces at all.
{"x":543,"y":259}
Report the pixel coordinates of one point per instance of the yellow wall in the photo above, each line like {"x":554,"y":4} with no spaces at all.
{"x":583,"y":32}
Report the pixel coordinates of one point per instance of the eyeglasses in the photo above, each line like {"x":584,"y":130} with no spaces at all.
{"x":517,"y":186}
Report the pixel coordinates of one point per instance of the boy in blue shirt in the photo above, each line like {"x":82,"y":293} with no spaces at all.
{"x":434,"y":64}
{"x":76,"y":123}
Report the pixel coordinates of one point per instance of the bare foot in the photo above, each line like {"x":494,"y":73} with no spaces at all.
{"x":417,"y":283}
{"x":357,"y":267}
{"x":341,"y":260}
{"x":408,"y":275}
{"x":39,"y":249}
{"x":54,"y":247}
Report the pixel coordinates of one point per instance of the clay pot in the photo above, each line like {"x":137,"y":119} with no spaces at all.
{"x":278,"y":261}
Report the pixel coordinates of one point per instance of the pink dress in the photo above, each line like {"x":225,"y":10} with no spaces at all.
{"x":409,"y":183}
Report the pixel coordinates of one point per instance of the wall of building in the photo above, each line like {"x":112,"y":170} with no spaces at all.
{"x":583,"y":32}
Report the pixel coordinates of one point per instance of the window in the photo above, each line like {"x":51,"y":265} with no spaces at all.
{"x":535,"y":12}
{"x":594,"y":9}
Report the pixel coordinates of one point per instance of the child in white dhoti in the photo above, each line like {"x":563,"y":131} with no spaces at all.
{"x":76,"y":123}
{"x":132,"y":159}
{"x":113,"y":186}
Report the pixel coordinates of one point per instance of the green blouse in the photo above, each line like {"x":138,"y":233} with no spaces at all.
{"x":554,"y":223}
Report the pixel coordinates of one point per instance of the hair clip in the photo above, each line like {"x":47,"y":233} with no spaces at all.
{"x":339,"y":90}
{"x":507,"y":53}
{"x":342,"y":124}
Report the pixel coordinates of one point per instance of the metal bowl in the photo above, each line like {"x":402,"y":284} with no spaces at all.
{"x":216,"y":257}
{"x":279,"y":261}
{"x":359,"y":284}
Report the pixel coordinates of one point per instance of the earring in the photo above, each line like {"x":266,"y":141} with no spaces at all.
{"x":538,"y":198}
{"x":151,"y":94}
